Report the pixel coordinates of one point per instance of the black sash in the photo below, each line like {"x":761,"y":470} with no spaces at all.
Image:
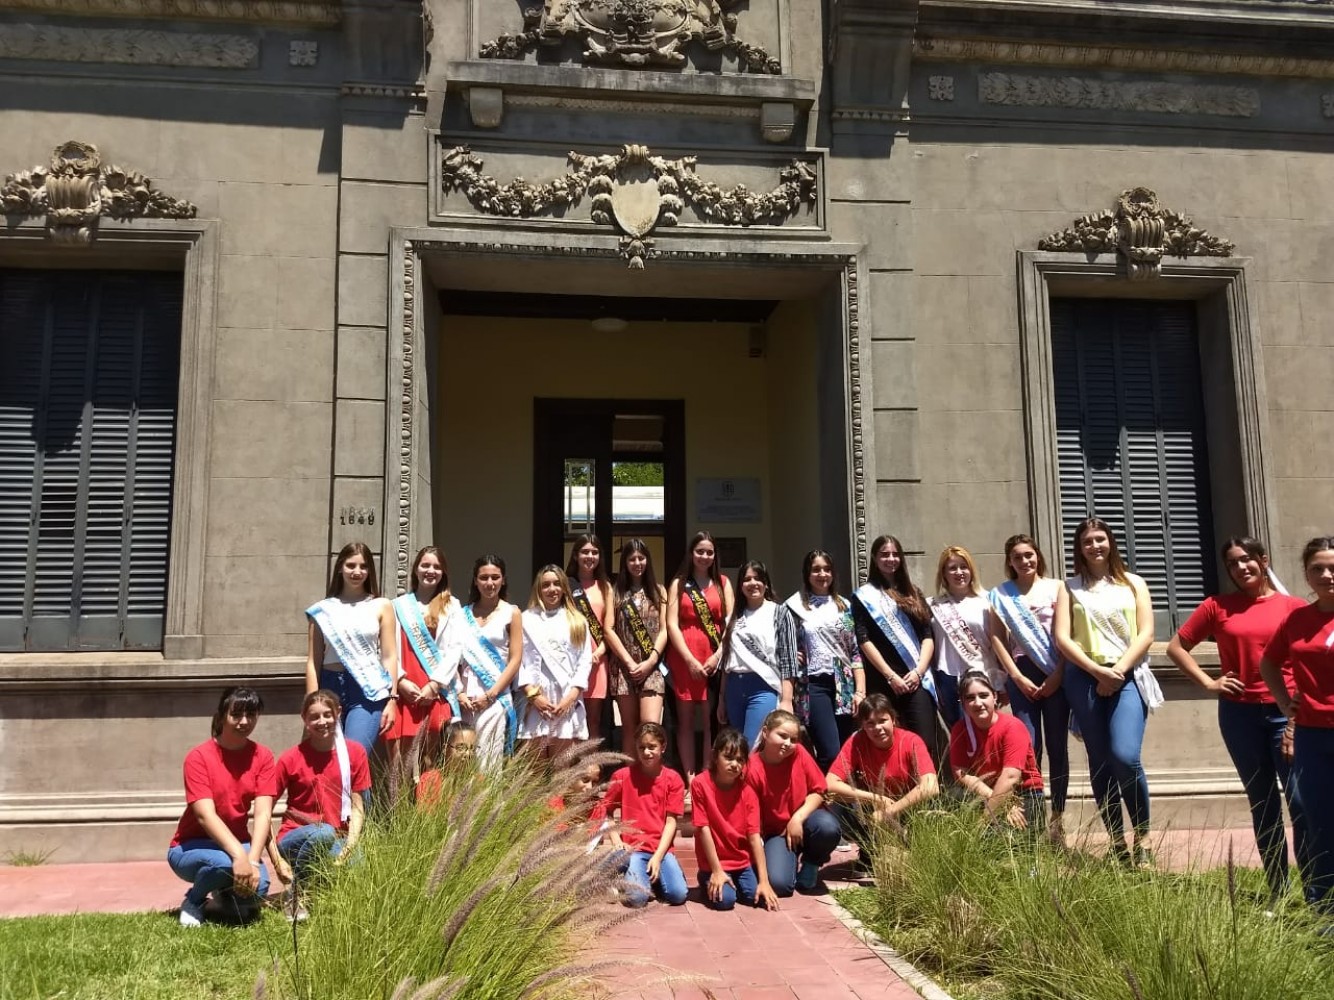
{"x":702,"y":611}
{"x":586,"y":609}
{"x":637,"y":627}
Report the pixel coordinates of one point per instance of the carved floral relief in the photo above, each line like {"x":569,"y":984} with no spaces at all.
{"x":634,"y":33}
{"x":77,"y":190}
{"x":634,"y":191}
{"x":1142,"y":231}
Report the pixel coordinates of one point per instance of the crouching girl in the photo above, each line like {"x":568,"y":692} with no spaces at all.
{"x":651,"y":800}
{"x":726,"y":815}
{"x":992,"y":757}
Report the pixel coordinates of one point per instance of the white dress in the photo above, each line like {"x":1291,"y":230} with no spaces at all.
{"x":553,"y":663}
{"x":490,"y":722}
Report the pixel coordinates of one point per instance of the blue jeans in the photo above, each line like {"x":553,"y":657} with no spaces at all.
{"x":822,"y":723}
{"x":746,"y":884}
{"x":749,"y":700}
{"x":1113,"y":729}
{"x":307,"y":846}
{"x":819,"y":837}
{"x":1253,"y":736}
{"x":671,"y":885}
{"x":947,"y":698}
{"x":1313,"y":774}
{"x":1047,"y":720}
{"x":361,"y":716}
{"x":208,"y":867}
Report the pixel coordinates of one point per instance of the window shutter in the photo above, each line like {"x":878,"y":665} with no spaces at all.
{"x":1131,"y":440}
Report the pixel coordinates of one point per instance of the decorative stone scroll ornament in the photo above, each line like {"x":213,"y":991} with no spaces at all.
{"x":632,"y":190}
{"x":1140,"y":230}
{"x":633,"y":32}
{"x":76,"y":190}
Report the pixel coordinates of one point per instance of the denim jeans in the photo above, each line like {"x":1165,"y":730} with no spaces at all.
{"x":749,"y":700}
{"x":208,"y":868}
{"x":947,"y":697}
{"x":361,"y":716}
{"x":746,"y":884}
{"x":819,"y":837}
{"x":1313,"y":774}
{"x":671,"y":885}
{"x":822,"y":723}
{"x":307,"y":846}
{"x":1253,"y":735}
{"x":1113,"y":729}
{"x":1047,"y":720}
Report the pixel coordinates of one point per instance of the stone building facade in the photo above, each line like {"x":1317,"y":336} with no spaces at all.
{"x":280,"y":274}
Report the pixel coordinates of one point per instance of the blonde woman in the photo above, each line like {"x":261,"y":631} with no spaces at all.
{"x":557,"y":661}
{"x":960,"y":624}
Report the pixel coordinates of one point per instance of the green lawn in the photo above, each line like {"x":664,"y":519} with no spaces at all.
{"x":141,"y":956}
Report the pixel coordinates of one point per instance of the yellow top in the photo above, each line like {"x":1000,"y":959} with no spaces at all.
{"x":1113,"y":601}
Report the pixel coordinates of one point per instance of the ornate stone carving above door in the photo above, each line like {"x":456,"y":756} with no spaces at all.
{"x":77,"y":190}
{"x":632,"y":190}
{"x":1142,"y":232}
{"x":634,"y":33}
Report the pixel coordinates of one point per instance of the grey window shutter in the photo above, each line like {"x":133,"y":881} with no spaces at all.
{"x":87,"y":426}
{"x":1131,"y":441}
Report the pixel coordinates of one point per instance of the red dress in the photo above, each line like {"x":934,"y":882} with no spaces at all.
{"x":688,"y":686}
{"x":435,"y":715}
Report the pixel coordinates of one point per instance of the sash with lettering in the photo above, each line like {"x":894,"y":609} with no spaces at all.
{"x":747,"y":644}
{"x":358,"y":652}
{"x":1033,"y":639}
{"x":630,"y":611}
{"x":958,"y":632}
{"x":409,"y":613}
{"x":1112,"y":626}
{"x":486,"y":662}
{"x":896,"y":627}
{"x":556,"y":660}
{"x":585,"y":607}
{"x":821,"y":626}
{"x":702,"y":611}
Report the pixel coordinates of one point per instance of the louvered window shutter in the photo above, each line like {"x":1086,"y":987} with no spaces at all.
{"x":88,"y":375}
{"x":1130,"y":438}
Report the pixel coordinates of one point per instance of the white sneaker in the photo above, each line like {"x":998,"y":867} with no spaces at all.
{"x":192,"y":915}
{"x":293,"y":908}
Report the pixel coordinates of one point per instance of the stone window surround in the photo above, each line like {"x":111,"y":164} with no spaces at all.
{"x":1219,"y":282}
{"x":193,"y":246}
{"x":408,"y":454}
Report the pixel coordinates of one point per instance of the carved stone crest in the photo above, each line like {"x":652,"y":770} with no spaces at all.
{"x":76,"y":190}
{"x":1142,"y":231}
{"x":632,"y":190}
{"x":633,"y":32}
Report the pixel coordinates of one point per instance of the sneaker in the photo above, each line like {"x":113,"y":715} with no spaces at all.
{"x":1142,"y":858}
{"x":293,"y":908}
{"x":844,"y":846}
{"x":192,"y":914}
{"x":808,"y":877}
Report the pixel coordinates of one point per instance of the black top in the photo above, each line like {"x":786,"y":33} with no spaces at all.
{"x":869,"y":631}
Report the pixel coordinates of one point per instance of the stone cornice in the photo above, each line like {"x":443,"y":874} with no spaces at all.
{"x":294,"y":12}
{"x":1116,"y":57}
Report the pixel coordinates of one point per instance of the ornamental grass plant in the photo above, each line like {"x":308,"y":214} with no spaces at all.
{"x":996,"y":916}
{"x":489,"y":892}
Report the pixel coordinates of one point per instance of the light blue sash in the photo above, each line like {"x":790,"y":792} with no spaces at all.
{"x":423,"y":643}
{"x":897,"y":628}
{"x":487,"y":663}
{"x":1018,"y":617}
{"x":359,"y":653}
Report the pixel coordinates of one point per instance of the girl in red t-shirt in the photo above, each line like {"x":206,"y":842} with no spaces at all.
{"x":651,"y":800}
{"x":992,"y":757}
{"x":1254,"y":730}
{"x":726,"y":815}
{"x":1306,"y":639}
{"x":323,"y":777}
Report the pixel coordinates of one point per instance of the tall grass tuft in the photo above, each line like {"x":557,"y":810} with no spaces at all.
{"x":488,"y":894}
{"x":995,"y":913}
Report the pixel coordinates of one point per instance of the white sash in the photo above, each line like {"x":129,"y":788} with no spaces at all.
{"x":959,"y":632}
{"x":750,"y":656}
{"x":547,"y":647}
{"x":893,"y":624}
{"x":1113,"y":627}
{"x":345,"y":766}
{"x":812,"y":631}
{"x":1024,"y":626}
{"x":409,"y":613}
{"x":358,"y":652}
{"x":486,"y":662}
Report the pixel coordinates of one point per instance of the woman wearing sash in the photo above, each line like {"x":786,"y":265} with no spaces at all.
{"x":759,"y":655}
{"x":636,"y":641}
{"x":960,"y":617}
{"x":830,"y":682}
{"x":1254,"y":730}
{"x":1103,"y":625}
{"x":428,"y":656}
{"x":351,"y":649}
{"x":1022,"y":611}
{"x":591,"y":591}
{"x":557,"y":659}
{"x":893,"y":626}
{"x":492,"y":637}
{"x":699,"y":602}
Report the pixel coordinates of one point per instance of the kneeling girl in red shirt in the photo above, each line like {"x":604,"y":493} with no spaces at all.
{"x":992,"y":757}
{"x":651,"y":800}
{"x":726,"y":815}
